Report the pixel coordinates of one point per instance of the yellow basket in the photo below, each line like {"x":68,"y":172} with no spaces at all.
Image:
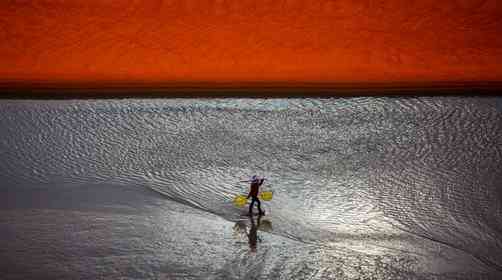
{"x":266,"y":196}
{"x":241,"y":200}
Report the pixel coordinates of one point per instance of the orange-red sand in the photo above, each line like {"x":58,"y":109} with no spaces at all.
{"x":107,"y":43}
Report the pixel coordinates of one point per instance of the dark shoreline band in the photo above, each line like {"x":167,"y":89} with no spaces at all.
{"x":45,"y":90}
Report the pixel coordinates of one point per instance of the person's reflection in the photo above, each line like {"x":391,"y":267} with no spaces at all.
{"x":253,"y":233}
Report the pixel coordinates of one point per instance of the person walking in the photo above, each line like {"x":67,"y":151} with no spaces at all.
{"x":254,"y":189}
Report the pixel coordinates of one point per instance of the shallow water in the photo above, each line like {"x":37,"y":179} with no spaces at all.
{"x":364,"y":188}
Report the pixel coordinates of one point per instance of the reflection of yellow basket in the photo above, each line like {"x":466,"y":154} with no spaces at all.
{"x":241,"y":200}
{"x":265,"y":225}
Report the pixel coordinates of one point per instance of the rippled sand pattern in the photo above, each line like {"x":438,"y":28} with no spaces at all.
{"x":439,"y":172}
{"x":364,"y":188}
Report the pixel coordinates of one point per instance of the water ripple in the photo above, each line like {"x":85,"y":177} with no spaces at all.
{"x":345,"y":172}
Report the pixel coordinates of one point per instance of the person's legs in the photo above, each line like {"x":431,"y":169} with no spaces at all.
{"x":251,"y":205}
{"x":259,"y":206}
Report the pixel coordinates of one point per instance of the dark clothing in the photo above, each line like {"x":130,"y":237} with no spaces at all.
{"x":253,"y":199}
{"x":253,"y":194}
{"x":255,"y":186}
